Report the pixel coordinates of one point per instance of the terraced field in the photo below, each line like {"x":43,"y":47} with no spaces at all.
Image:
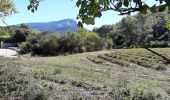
{"x":120,"y":74}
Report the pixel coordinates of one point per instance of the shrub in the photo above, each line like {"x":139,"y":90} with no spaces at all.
{"x":23,"y":48}
{"x":109,"y":43}
{"x":123,"y":92}
{"x":161,"y":67}
{"x":5,"y":38}
{"x":20,"y":35}
{"x":81,"y":41}
{"x":35,"y":92}
{"x":57,"y":71}
{"x":72,"y":42}
{"x":156,"y":44}
{"x":43,"y":44}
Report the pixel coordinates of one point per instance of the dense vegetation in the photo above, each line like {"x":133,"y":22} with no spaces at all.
{"x":51,"y":43}
{"x":72,"y":42}
{"x":149,"y":31}
{"x":140,"y":30}
{"x":15,"y":34}
{"x":77,"y":77}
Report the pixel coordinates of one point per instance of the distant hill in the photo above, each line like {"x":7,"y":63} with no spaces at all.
{"x":55,"y":26}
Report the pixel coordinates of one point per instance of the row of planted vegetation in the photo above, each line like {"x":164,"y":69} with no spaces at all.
{"x":39,"y":78}
{"x":140,"y":57}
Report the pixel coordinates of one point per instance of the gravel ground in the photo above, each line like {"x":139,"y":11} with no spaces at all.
{"x":8,"y":53}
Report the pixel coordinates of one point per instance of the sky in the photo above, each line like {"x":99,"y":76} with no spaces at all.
{"x":54,"y":10}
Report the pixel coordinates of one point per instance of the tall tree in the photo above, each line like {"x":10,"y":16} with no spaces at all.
{"x":103,"y":31}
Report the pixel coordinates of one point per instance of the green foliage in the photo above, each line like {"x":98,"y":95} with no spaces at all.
{"x":43,"y":44}
{"x":109,"y":43}
{"x":104,"y":30}
{"x":140,"y":30}
{"x":24,"y":26}
{"x":57,"y":71}
{"x":5,"y":38}
{"x":168,"y":25}
{"x":23,"y":48}
{"x":81,"y":41}
{"x":72,"y":42}
{"x":156,"y":44}
{"x":33,"y":5}
{"x":91,"y":9}
{"x":35,"y":92}
{"x":21,"y":34}
{"x":123,"y":92}
{"x":7,"y":8}
{"x":14,"y":34}
{"x":12,"y":82}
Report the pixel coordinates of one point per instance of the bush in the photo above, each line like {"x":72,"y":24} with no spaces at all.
{"x":119,"y":40}
{"x":4,"y":38}
{"x":72,"y":42}
{"x":35,"y":92}
{"x":42,"y":44}
{"x":81,"y":41}
{"x":156,"y":44}
{"x":20,"y":35}
{"x":109,"y":43}
{"x":23,"y":48}
{"x":123,"y":92}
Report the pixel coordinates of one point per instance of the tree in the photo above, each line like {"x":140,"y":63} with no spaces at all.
{"x":103,"y":31}
{"x":24,"y":26}
{"x":81,"y":41}
{"x":7,"y":8}
{"x":91,"y":9}
{"x":21,"y":34}
{"x":41,"y":44}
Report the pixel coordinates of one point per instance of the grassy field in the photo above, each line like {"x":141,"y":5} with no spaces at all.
{"x":120,"y":74}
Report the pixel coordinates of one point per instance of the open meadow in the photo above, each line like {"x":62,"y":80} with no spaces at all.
{"x":118,"y":74}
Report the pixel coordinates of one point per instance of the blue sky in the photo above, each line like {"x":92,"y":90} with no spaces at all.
{"x":54,"y":10}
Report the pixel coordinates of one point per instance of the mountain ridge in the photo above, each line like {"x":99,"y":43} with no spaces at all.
{"x":60,"y":26}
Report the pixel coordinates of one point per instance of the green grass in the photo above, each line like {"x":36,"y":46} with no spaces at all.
{"x":95,"y":75}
